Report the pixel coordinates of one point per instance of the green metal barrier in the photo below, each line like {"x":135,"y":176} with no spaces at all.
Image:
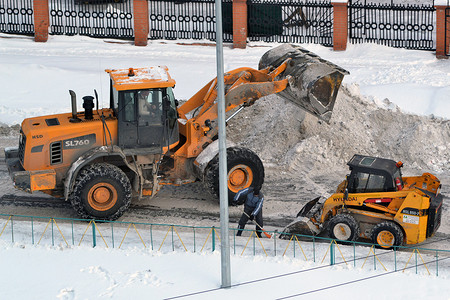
{"x":168,"y":237}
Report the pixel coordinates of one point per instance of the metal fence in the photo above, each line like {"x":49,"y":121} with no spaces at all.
{"x":95,"y":18}
{"x":394,"y":25}
{"x":16,"y":17}
{"x":188,"y":19}
{"x":293,"y":21}
{"x":167,"y":238}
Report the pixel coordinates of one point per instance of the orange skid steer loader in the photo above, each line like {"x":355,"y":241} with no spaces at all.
{"x":97,"y":159}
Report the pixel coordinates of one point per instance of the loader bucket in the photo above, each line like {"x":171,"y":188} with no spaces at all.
{"x":303,"y":224}
{"x":313,"y":82}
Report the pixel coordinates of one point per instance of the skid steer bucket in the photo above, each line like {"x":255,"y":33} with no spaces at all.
{"x":303,"y":224}
{"x":313,"y":82}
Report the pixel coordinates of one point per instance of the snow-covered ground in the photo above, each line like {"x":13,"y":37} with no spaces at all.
{"x":35,"y":79}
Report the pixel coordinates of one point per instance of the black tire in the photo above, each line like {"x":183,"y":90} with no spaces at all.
{"x":343,"y":227}
{"x":240,"y":161}
{"x":387,"y":235}
{"x":101,"y":191}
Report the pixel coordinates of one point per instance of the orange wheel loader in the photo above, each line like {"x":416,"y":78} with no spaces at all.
{"x":98,"y":158}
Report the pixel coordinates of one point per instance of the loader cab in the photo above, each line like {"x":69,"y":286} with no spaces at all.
{"x":373,"y":174}
{"x":145,"y":107}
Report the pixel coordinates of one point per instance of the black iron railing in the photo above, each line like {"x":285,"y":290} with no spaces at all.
{"x":297,"y":21}
{"x":394,"y":25}
{"x":294,"y":21}
{"x":186,"y":19}
{"x":95,"y":18}
{"x":16,"y":16}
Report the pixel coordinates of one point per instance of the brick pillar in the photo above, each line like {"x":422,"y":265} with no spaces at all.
{"x":239,"y":24}
{"x":141,"y":22}
{"x":41,"y":20}
{"x":441,"y":49}
{"x":340,"y":25}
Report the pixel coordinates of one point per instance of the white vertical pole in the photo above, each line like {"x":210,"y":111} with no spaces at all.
{"x":223,"y":186}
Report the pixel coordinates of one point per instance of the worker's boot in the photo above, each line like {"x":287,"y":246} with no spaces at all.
{"x":240,"y":229}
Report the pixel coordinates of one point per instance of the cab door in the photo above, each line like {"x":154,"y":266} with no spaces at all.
{"x":140,"y":124}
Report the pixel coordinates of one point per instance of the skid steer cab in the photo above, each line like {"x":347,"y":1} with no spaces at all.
{"x":375,"y":202}
{"x":99,"y":158}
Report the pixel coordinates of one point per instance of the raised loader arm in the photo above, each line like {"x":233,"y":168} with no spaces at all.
{"x":294,"y":73}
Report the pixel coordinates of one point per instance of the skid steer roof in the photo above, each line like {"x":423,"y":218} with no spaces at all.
{"x":141,"y":78}
{"x":372,"y":164}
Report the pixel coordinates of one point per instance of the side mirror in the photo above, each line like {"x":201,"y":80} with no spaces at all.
{"x":96,"y":98}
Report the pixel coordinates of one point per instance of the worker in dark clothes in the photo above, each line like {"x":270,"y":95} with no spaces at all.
{"x":253,"y":203}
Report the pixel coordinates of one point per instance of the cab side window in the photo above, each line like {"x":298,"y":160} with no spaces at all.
{"x":149,"y":102}
{"x":129,"y":108}
{"x":368,"y":183}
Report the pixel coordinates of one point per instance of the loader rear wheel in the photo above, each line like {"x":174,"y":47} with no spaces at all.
{"x":343,"y":227}
{"x":102,"y":191}
{"x":245,"y":169}
{"x":387,"y":235}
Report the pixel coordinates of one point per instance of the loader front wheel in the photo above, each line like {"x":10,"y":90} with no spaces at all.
{"x":343,"y":227}
{"x":387,"y":235}
{"x":101,"y":191}
{"x":245,"y":169}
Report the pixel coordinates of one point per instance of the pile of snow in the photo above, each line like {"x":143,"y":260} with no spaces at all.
{"x":282,"y":134}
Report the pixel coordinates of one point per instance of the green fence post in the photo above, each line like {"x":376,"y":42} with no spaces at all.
{"x":53,"y":237}
{"x":194,"y":238}
{"x":332,"y":253}
{"x":213,"y":239}
{"x":395,"y":258}
{"x":32,"y":231}
{"x":12,"y":230}
{"x":234,"y":241}
{"x":151,"y":235}
{"x":293,"y":244}
{"x":112,"y":234}
{"x":354,"y":255}
{"x":416,"y":261}
{"x":314,"y":249}
{"x":173,"y":248}
{"x":254,"y":244}
{"x":73,"y":239}
{"x":94,"y":241}
{"x":374,"y":259}
{"x":437,"y":274}
{"x":275,"y":242}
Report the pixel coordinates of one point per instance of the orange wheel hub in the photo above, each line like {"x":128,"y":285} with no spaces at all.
{"x":102,"y":196}
{"x":239,"y":177}
{"x":385,"y":239}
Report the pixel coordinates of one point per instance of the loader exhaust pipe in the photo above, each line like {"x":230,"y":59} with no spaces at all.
{"x":73,"y":98}
{"x":313,"y":81}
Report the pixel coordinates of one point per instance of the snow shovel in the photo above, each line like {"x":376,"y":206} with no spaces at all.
{"x":262,"y":229}
{"x":313,"y":81}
